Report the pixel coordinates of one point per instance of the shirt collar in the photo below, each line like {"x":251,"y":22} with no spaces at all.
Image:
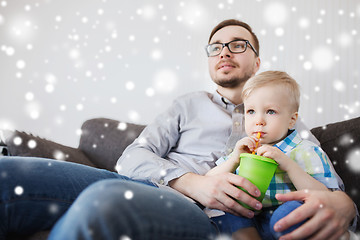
{"x":290,"y":142}
{"x":217,"y":98}
{"x":226,"y":103}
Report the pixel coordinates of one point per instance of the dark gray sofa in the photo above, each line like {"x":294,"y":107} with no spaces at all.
{"x":103,"y":141}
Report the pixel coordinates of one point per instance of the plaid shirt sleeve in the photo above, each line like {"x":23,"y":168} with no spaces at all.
{"x":315,"y":162}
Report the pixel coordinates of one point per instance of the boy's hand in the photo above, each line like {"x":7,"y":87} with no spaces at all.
{"x":245,"y":145}
{"x":274,"y":153}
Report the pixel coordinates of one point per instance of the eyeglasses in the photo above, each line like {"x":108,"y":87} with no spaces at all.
{"x":236,"y":46}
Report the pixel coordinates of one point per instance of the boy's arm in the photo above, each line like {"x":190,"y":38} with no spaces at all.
{"x":300,"y":178}
{"x":246,"y":144}
{"x":229,"y":165}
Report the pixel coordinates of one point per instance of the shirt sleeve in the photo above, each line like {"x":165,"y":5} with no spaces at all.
{"x":221,"y":160}
{"x":146,"y":158}
{"x":316,"y":163}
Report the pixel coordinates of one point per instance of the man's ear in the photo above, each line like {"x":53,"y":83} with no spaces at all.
{"x":257,"y":65}
{"x":293,"y":120}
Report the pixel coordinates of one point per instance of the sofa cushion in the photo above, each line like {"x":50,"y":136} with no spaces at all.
{"x":27,"y":145}
{"x":341,"y":141}
{"x":103,"y":140}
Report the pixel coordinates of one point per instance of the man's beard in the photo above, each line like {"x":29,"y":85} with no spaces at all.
{"x":232,"y":82}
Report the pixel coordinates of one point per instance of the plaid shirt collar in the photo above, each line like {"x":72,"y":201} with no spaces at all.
{"x":289,"y":142}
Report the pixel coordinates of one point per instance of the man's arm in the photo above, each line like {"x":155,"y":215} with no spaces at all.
{"x":145,"y":157}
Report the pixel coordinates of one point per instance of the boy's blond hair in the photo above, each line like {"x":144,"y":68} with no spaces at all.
{"x":274,"y":78}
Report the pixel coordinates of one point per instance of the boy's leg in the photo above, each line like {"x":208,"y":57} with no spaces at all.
{"x":116,"y":209}
{"x":282,"y":211}
{"x":35,"y":192}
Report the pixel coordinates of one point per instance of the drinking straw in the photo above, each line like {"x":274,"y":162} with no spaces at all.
{"x":257,"y":142}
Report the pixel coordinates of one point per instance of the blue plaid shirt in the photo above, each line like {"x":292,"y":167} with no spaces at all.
{"x":309,"y":156}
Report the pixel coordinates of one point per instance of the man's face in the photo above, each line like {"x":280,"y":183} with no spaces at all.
{"x":230,"y":70}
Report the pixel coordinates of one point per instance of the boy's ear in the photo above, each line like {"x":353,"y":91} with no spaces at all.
{"x":293,"y":120}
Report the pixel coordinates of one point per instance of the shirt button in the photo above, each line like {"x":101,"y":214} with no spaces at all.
{"x":237,"y":123}
{"x":161,"y":182}
{"x":230,"y":150}
{"x":237,"y":110}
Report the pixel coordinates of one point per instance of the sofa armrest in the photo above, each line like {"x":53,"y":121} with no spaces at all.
{"x":27,"y":145}
{"x":103,"y":140}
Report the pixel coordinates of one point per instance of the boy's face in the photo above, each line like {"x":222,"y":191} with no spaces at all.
{"x":269,"y":110}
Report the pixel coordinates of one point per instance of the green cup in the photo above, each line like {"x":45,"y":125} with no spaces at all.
{"x":258,"y":170}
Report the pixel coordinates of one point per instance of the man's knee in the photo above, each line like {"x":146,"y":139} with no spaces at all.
{"x":281,"y":212}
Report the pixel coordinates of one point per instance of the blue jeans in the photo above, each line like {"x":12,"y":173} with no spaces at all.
{"x":35,"y":194}
{"x":112,"y":209}
{"x":264,"y":221}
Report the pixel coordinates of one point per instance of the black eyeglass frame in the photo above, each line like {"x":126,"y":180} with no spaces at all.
{"x":227,"y":45}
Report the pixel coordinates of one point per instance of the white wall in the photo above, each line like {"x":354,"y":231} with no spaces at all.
{"x":65,"y":61}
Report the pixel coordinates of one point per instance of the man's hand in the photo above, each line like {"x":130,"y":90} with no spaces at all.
{"x":329,"y":214}
{"x":219,"y":192}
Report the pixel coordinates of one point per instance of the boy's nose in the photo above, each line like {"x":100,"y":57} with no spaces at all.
{"x":260,"y":121}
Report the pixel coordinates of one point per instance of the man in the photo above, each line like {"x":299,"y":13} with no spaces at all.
{"x":177,"y":149}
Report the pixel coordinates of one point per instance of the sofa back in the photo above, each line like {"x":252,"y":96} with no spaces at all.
{"x":103,"y":140}
{"x":18,"y":144}
{"x":341,"y":142}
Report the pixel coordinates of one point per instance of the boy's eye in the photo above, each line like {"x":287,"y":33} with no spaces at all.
{"x":250,"y":111}
{"x":271,"y":111}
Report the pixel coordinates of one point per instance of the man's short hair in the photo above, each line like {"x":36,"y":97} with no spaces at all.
{"x":274,"y":78}
{"x":235,"y":22}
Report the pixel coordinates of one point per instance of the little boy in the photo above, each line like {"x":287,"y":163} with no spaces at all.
{"x":271,"y":103}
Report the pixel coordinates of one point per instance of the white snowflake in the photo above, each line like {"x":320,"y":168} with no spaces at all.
{"x":53,"y":208}
{"x":32,"y":144}
{"x":17,"y":141}
{"x":29,"y":96}
{"x":322,"y":58}
{"x":128,"y":194}
{"x":130,"y":85}
{"x":134,"y":116}
{"x":20,"y":64}
{"x":124,"y":237}
{"x":122,"y":126}
{"x":339,"y":86}
{"x":165,"y":81}
{"x":59,"y":155}
{"x":19,"y":190}
{"x":276,"y":14}
{"x":353,"y":160}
